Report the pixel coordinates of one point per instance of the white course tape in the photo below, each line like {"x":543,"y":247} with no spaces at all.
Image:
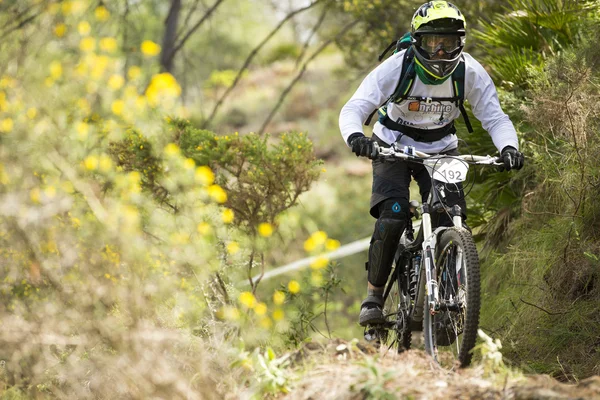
{"x":343,"y":251}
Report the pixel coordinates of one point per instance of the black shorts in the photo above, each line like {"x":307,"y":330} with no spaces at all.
{"x":392,"y":179}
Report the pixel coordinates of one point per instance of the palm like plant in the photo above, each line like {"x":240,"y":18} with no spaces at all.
{"x":518,"y":41}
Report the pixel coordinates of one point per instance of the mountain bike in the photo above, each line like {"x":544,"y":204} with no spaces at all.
{"x":435,"y":281}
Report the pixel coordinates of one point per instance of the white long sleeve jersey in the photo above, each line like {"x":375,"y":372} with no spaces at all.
{"x":380,"y":84}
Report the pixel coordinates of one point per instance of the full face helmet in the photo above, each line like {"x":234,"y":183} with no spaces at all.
{"x":438,"y":37}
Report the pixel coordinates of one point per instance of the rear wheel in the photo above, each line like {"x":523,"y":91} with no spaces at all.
{"x":395,"y":310}
{"x":450,"y":334}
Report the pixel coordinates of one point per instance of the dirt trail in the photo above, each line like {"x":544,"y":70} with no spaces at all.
{"x":335,"y":371}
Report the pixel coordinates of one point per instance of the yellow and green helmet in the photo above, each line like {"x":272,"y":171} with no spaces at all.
{"x":438,"y":37}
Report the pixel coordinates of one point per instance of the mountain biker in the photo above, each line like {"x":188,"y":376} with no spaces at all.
{"x":437,"y":40}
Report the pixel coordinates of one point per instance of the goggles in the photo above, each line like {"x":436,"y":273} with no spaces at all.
{"x":432,"y":44}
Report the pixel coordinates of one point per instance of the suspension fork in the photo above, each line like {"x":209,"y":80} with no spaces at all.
{"x":429,"y":264}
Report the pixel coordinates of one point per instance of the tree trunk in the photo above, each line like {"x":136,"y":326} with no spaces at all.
{"x":168,"y":46}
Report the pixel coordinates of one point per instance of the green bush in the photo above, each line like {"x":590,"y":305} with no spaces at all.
{"x":261,"y":179}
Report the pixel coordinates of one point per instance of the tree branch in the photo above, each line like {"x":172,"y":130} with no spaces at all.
{"x":301,"y":72}
{"x":312,"y":33}
{"x":187,"y":19}
{"x":21,"y":23}
{"x":195,"y":27}
{"x":543,"y":309}
{"x":251,"y":57}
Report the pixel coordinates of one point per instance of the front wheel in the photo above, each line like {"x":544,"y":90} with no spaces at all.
{"x":451,"y":332}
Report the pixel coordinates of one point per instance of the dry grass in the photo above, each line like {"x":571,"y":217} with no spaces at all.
{"x":348,"y":374}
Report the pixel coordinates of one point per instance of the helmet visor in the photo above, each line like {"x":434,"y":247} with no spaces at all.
{"x":432,"y":44}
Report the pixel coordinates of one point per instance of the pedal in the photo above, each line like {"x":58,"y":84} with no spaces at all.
{"x":376,"y":335}
{"x":371,"y":335}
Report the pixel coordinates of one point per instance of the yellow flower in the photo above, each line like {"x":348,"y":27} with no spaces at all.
{"x":188,"y":163}
{"x":101,"y":13}
{"x":204,"y":175}
{"x":87,"y":44}
{"x":278,"y":297}
{"x":265,"y":229}
{"x":227,"y":216}
{"x":149,"y":48}
{"x":247,"y":299}
{"x":108,"y":44}
{"x":91,"y":163}
{"x":50,"y":192}
{"x":314,"y":241}
{"x":55,"y":70}
{"x":294,"y":287}
{"x":116,"y":82}
{"x":134,"y":72}
{"x":6,"y":125}
{"x":332,"y":244}
{"x":31,"y":113}
{"x":320,"y":263}
{"x":105,"y":163}
{"x":67,"y":7}
{"x":117,"y":107}
{"x":172,"y":149}
{"x":84,"y":28}
{"x":162,"y":86}
{"x":233,"y":247}
{"x":204,"y":228}
{"x":260,"y":309}
{"x":278,"y":315}
{"x":35,"y":195}
{"x":60,"y":30}
{"x":7,"y":81}
{"x":319,"y":237}
{"x":217,"y":193}
{"x":309,"y":245}
{"x":83,"y":129}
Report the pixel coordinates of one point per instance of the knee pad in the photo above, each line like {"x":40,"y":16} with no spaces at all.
{"x":388,"y":229}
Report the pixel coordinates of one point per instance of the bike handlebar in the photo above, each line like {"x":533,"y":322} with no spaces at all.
{"x":410,"y":154}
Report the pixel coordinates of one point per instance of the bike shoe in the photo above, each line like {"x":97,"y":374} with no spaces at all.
{"x":370,"y":311}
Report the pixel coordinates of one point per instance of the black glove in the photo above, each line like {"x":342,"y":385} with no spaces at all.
{"x":361,"y":145}
{"x":512,"y":158}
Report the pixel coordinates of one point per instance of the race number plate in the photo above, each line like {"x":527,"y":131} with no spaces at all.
{"x":447,"y":169}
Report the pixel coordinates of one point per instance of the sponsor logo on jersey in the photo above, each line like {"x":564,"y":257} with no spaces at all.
{"x":431,"y":108}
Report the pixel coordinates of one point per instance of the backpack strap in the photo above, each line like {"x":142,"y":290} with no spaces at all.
{"x":403,"y":82}
{"x":394,"y":43}
{"x":403,"y":43}
{"x":458,"y":83}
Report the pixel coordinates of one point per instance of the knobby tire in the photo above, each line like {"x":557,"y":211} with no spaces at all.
{"x":438,"y":339}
